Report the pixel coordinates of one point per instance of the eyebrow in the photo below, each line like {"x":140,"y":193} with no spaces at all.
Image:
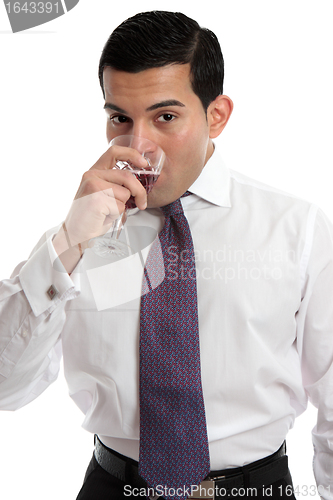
{"x":165,"y":104}
{"x":109,"y":105}
{"x":162,"y":104}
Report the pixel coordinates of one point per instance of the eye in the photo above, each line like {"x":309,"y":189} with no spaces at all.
{"x":118,"y":119}
{"x":166,"y":117}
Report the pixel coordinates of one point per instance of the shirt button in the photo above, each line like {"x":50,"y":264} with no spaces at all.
{"x":25,"y":333}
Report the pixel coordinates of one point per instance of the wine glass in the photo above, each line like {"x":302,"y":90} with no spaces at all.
{"x":110,"y":244}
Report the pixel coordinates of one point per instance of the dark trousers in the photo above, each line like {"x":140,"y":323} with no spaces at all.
{"x":100,"y":485}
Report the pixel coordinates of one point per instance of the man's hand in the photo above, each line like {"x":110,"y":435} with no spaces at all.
{"x":100,"y":199}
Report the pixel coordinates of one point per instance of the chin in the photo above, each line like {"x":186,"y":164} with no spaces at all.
{"x":157,"y":199}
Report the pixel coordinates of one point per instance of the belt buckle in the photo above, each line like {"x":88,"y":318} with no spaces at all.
{"x":205,"y":490}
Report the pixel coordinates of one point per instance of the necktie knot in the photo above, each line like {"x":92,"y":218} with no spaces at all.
{"x":175,"y":207}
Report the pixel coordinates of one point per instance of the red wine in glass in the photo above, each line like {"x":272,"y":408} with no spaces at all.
{"x":147,"y":179}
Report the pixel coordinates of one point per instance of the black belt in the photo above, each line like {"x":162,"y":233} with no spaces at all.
{"x":258,"y":474}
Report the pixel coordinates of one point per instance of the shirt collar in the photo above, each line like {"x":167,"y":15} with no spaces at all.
{"x":214,"y":182}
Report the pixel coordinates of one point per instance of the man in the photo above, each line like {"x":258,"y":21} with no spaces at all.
{"x":263,"y":274}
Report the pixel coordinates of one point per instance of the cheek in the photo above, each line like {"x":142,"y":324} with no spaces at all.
{"x":114,"y":131}
{"x":185,"y":160}
{"x":109,"y":136}
{"x":190,"y":139}
{"x":191,"y":145}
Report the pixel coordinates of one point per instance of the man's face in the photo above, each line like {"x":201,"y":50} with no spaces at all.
{"x":160,"y":105}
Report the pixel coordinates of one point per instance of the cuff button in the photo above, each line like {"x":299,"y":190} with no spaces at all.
{"x":52,"y":292}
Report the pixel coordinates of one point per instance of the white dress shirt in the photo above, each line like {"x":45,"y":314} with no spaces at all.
{"x":264,"y":264}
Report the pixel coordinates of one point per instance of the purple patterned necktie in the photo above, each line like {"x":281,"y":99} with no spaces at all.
{"x":173,"y":437}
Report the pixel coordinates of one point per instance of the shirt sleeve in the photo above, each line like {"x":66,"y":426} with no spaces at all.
{"x":32,"y":315}
{"x":315,"y":342}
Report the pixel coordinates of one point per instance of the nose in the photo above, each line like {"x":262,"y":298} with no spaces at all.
{"x":141,"y":130}
{"x":142,"y":134}
{"x":137,"y":143}
{"x":143,"y":145}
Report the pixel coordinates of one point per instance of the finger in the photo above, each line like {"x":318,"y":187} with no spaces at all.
{"x":134,"y":186}
{"x":112,"y":207}
{"x":122,"y":184}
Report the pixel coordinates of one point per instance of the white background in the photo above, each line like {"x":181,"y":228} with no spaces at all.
{"x":278,"y":59}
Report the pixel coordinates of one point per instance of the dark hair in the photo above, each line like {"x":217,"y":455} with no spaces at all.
{"x":159,"y":38}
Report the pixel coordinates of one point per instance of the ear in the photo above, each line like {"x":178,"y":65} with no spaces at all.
{"x":218,"y":114}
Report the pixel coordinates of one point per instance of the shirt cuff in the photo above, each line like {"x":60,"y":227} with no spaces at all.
{"x":45,"y":281}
